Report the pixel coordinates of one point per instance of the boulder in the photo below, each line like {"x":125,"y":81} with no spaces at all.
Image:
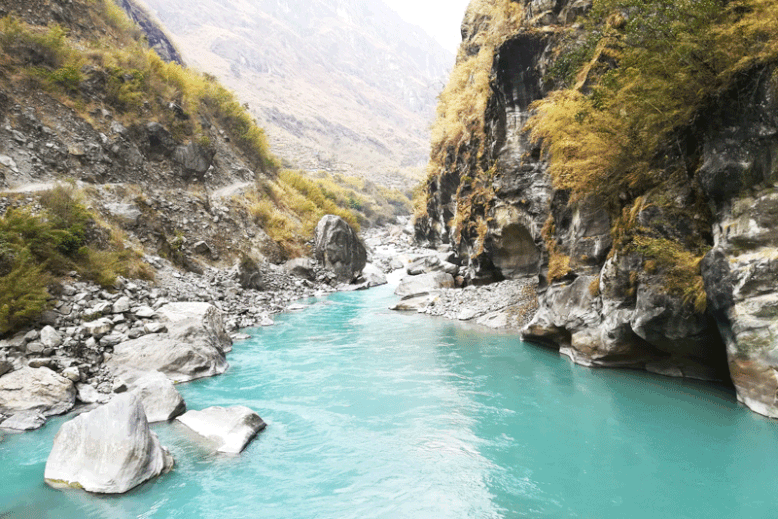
{"x":424,"y":284}
{"x":193,"y":346}
{"x":24,"y":421}
{"x":50,"y":338}
{"x":194,"y":158}
{"x":36,"y":389}
{"x":121,"y":305}
{"x":110,"y":460}
{"x":99,"y":327}
{"x":338,"y":248}
{"x":129,"y":214}
{"x":373,"y":276}
{"x":159,"y":396}
{"x":301,"y":268}
{"x":230,"y":428}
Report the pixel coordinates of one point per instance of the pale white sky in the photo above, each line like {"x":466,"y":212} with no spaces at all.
{"x":440,"y":18}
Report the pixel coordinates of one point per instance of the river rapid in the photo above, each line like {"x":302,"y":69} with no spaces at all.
{"x":377,"y":414}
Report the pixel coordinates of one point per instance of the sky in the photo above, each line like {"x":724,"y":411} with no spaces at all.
{"x":440,"y":18}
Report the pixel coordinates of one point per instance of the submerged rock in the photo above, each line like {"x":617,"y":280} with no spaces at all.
{"x":230,"y":428}
{"x":109,"y":450}
{"x":338,"y":248}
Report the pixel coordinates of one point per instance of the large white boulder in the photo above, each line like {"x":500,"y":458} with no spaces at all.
{"x":159,"y":396}
{"x":229,"y":428}
{"x":109,"y":450}
{"x":36,"y":389}
{"x":193,"y":346}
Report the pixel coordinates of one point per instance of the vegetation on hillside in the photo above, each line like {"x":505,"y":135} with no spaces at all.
{"x":632,"y":78}
{"x":130,"y":78}
{"x":42,"y":243}
{"x":290,"y":206}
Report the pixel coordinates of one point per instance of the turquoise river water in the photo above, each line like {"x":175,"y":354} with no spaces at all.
{"x":375,"y":414}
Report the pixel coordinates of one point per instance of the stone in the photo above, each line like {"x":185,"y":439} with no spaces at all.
{"x":424,"y":283}
{"x":111,"y":340}
{"x":229,"y":429}
{"x":193,"y":346}
{"x":154,"y":328}
{"x":72,"y":373}
{"x":109,"y":460}
{"x":373,"y":276}
{"x":194,"y":158}
{"x":414,"y":303}
{"x":121,"y":305}
{"x":36,"y":389}
{"x":24,"y":421}
{"x":99,"y":327}
{"x":41,"y":363}
{"x":145,"y":312}
{"x":50,"y":337}
{"x":5,"y":367}
{"x":89,"y":395}
{"x":338,"y":248}
{"x":160,"y":398}
{"x":301,"y":268}
{"x":32,"y":335}
{"x":128,"y":214}
{"x":35,"y":348}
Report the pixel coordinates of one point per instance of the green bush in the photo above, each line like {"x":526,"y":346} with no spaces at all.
{"x":23,"y":294}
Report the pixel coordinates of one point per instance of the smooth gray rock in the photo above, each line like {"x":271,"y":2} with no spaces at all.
{"x":111,"y":460}
{"x":89,"y":395}
{"x":5,"y":367}
{"x":338,"y":248}
{"x":122,"y":305}
{"x":193,"y":346}
{"x":230,"y":428}
{"x":36,"y":389}
{"x":424,"y":283}
{"x":98,"y":327}
{"x":160,"y":398}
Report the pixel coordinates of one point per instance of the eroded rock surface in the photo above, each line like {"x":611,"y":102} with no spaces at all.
{"x":36,"y":389}
{"x":160,"y":399}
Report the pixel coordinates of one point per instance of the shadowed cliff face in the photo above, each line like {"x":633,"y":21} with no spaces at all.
{"x":156,"y":36}
{"x":604,"y":303}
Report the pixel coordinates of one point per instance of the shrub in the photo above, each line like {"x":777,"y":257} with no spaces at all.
{"x":23,"y":294}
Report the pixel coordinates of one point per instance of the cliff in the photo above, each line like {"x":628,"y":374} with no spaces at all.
{"x":625,"y":155}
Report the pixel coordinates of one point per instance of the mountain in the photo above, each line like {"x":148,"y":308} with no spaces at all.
{"x":339,"y":85}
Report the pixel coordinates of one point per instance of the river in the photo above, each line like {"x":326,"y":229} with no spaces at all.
{"x":377,"y":414}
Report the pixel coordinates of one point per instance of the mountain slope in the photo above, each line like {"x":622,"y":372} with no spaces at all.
{"x":339,"y":85}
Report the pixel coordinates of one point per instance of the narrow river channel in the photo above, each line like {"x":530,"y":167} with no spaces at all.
{"x":376,"y":414}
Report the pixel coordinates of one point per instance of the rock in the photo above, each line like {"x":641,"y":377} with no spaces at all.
{"x":41,"y":363}
{"x":50,"y":337}
{"x":108,"y":460}
{"x":108,"y":341}
{"x":193,"y":347}
{"x":154,"y":328}
{"x":424,"y":283}
{"x":373,"y":276}
{"x":72,"y":373}
{"x":230,"y":429}
{"x":128,"y":214}
{"x":414,"y":303}
{"x":5,"y":367}
{"x":32,"y":335}
{"x":24,"y":421}
{"x":145,"y":312}
{"x":121,"y":305}
{"x":99,"y":327}
{"x":160,"y":398}
{"x":36,"y":389}
{"x":35,"y":348}
{"x":194,"y":158}
{"x":118,"y":386}
{"x":301,"y":268}
{"x":89,"y":395}
{"x":338,"y":248}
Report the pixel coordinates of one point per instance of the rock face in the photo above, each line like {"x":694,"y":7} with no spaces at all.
{"x":602,"y":299}
{"x":231,"y":429}
{"x":36,"y":389}
{"x":113,"y":459}
{"x":338,"y":248}
{"x":193,"y":346}
{"x":160,"y":399}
